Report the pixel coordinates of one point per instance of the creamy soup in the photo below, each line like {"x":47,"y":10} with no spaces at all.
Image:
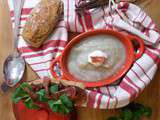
{"x":82,"y":69}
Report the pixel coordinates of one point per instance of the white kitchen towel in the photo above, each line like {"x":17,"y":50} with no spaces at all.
{"x":137,"y":78}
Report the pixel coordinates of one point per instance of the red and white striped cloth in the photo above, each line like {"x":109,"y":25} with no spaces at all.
{"x":137,"y":78}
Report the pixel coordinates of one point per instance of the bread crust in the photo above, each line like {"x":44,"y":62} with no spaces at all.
{"x":42,"y":21}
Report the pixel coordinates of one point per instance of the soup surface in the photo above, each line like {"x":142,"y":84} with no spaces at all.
{"x":82,"y":69}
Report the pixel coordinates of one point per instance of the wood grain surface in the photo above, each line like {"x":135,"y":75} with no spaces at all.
{"x":150,"y":96}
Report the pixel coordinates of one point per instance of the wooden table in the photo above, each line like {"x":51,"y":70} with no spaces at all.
{"x":150,"y":96}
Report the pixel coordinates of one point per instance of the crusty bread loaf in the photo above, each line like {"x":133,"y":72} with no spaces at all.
{"x":42,"y":21}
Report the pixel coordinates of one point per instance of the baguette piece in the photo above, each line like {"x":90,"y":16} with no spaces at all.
{"x":42,"y":21}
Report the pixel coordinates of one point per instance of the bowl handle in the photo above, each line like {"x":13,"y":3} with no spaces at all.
{"x":141,"y":46}
{"x":53,"y":63}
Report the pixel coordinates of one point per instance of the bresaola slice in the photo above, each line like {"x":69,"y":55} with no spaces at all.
{"x":76,"y":94}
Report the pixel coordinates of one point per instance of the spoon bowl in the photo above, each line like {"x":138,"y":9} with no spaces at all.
{"x":13,"y":69}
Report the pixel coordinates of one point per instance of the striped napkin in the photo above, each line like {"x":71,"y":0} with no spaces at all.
{"x":137,"y":78}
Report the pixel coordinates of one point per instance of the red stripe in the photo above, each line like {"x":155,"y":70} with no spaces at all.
{"x":99,"y":90}
{"x":88,"y":20}
{"x":143,"y":70}
{"x":107,"y":25}
{"x":108,"y":102}
{"x":108,"y":91}
{"x":155,"y":49}
{"x":68,"y":15}
{"x":147,"y":29}
{"x":42,"y":70}
{"x":91,"y":99}
{"x":133,"y":93}
{"x":21,"y":19}
{"x":146,"y":32}
{"x":75,"y":21}
{"x":156,"y":28}
{"x":158,"y":50}
{"x":50,"y":43}
{"x":80,"y":20}
{"x":142,"y":15}
{"x":139,"y":77}
{"x":99,"y":101}
{"x":25,"y":11}
{"x":151,"y":23}
{"x":42,"y":62}
{"x":152,"y":55}
{"x":158,"y":39}
{"x":143,"y":19}
{"x":137,"y":15}
{"x":42,"y":54}
{"x":123,"y":7}
{"x":130,"y":81}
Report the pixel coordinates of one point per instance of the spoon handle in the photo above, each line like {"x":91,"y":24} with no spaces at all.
{"x":18,"y":5}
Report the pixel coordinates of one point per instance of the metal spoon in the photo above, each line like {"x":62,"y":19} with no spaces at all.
{"x":14,"y":65}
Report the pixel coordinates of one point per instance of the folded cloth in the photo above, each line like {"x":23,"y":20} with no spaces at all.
{"x":136,"y":79}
